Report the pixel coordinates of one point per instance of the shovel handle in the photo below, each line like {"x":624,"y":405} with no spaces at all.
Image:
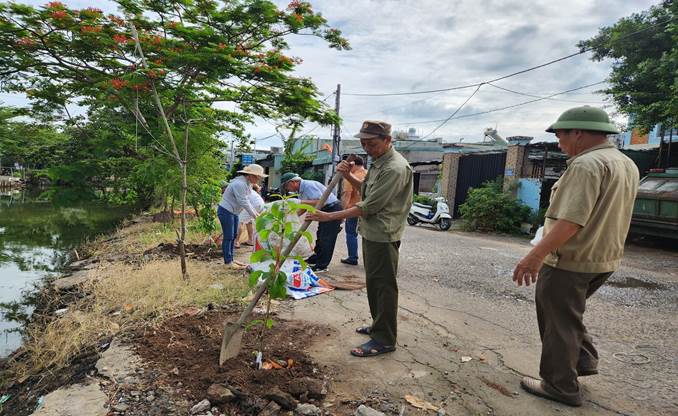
{"x":321,"y":202}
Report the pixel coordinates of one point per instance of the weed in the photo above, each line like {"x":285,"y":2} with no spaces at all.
{"x":121,"y":297}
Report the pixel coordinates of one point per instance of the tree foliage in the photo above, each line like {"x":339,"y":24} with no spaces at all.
{"x":644,"y":78}
{"x":35,"y":145}
{"x":197,"y":53}
{"x":295,"y":156}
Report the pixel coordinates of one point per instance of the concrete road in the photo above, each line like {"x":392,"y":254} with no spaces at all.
{"x":457,"y":300}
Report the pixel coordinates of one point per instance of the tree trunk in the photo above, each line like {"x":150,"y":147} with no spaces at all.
{"x":182,"y":237}
{"x":172,"y":210}
{"x":175,"y":151}
{"x":660,"y":156}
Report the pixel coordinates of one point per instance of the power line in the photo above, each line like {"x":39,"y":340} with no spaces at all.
{"x":461,"y":87}
{"x":455,"y":112}
{"x":581,"y":51}
{"x":306,"y":133}
{"x":343,"y":126}
{"x":388,"y":109}
{"x":503,"y":108}
{"x":538,"y":96}
{"x":267,"y":137}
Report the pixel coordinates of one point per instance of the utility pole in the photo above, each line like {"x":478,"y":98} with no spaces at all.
{"x":336,"y":137}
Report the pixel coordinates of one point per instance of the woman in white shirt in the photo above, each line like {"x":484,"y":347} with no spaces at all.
{"x":234,"y":200}
{"x":246,"y":220}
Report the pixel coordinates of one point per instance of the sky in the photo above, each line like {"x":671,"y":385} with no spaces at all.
{"x":408,"y":46}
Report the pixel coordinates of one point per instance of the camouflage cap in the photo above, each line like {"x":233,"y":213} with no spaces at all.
{"x":372,"y":129}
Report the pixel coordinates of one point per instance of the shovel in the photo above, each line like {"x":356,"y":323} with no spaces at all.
{"x":233,"y":331}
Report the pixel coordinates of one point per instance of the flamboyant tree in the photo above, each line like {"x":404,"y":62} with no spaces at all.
{"x":165,"y":62}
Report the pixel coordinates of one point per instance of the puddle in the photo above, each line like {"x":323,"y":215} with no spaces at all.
{"x":634,"y":283}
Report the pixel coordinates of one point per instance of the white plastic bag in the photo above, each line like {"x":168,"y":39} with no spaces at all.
{"x":297,"y":279}
{"x":303,"y":248}
{"x":538,"y":236}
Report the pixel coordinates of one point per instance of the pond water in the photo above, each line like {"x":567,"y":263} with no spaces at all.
{"x":37,"y":238}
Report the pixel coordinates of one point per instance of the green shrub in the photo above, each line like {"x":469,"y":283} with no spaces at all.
{"x":314,"y":176}
{"x":489,"y":208}
{"x":426,"y":200}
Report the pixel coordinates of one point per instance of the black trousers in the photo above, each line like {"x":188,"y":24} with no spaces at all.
{"x":326,"y":237}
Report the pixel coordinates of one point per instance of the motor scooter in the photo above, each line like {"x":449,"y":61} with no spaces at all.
{"x":438,"y":214}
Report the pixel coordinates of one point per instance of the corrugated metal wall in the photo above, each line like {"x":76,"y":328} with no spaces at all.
{"x":474,"y":170}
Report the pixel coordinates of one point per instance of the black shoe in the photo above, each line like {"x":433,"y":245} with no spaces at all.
{"x":312,"y":260}
{"x":349,"y":261}
{"x":318,"y":269}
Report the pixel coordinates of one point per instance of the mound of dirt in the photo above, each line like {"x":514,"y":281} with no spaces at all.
{"x":185,"y":351}
{"x":203,"y":252}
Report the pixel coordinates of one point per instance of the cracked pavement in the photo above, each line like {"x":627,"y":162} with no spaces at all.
{"x":457,"y":299}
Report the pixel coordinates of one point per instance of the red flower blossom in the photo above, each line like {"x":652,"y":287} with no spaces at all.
{"x":120,"y":39}
{"x":118,"y":83}
{"x":58,"y":14}
{"x":299,"y":18}
{"x":91,"y":29}
{"x":141,"y":87}
{"x":221,"y":46}
{"x":115,"y":19}
{"x":26,"y":42}
{"x":55,"y":5}
{"x":294,"y":4}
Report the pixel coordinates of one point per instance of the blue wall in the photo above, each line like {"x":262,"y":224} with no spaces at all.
{"x":529,"y":192}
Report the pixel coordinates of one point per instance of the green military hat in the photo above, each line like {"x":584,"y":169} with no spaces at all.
{"x":289,"y":176}
{"x":584,"y":118}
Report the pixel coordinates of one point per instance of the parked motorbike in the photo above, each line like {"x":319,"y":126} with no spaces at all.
{"x":438,"y":214}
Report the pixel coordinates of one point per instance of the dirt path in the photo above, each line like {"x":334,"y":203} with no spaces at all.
{"x":463,"y":305}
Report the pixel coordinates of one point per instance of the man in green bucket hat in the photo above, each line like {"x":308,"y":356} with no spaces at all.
{"x":584,"y":232}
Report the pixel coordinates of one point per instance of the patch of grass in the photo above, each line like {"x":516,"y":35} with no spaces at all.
{"x":120,"y":297}
{"x":157,"y":289}
{"x":137,"y":238}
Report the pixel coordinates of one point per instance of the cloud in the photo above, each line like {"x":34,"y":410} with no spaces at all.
{"x":400,"y":46}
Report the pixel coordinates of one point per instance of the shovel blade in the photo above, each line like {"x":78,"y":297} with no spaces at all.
{"x":230,"y":344}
